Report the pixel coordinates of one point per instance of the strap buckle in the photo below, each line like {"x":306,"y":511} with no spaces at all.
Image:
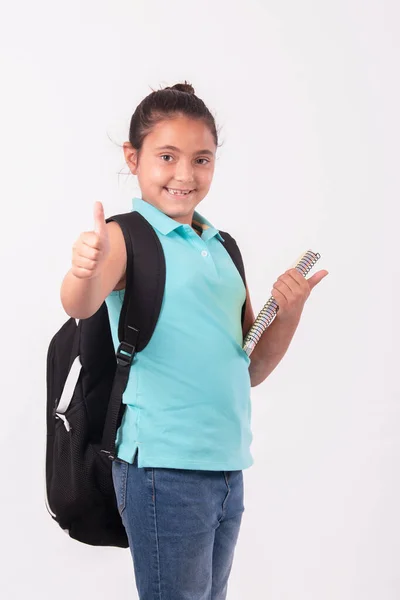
{"x":125,"y":354}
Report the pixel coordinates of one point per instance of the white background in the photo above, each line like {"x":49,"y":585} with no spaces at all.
{"x":306,"y":98}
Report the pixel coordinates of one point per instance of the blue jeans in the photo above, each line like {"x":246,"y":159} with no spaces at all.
{"x":182,"y":527}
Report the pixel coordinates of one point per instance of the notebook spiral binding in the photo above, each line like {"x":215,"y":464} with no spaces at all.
{"x":304,"y":264}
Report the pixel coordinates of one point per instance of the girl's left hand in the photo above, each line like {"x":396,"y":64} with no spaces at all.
{"x":291,"y":291}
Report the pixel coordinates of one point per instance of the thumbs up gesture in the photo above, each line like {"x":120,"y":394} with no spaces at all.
{"x":91,"y":249}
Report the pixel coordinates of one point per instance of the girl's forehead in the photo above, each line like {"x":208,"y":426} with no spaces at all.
{"x":181,"y":131}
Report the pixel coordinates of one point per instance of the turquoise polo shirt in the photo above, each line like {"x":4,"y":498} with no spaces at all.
{"x":188,"y":395}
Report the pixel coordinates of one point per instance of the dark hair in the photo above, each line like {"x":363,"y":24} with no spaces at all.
{"x":164,"y":104}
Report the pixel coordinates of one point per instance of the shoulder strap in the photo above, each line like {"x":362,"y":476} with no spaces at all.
{"x":233,"y":250}
{"x":145,"y":283}
{"x":145,"y":280}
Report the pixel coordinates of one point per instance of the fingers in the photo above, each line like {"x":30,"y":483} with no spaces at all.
{"x":89,"y":246}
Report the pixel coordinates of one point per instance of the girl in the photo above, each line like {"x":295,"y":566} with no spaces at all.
{"x":185,"y":434}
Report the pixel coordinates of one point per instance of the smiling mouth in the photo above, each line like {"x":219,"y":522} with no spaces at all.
{"x":178,"y":193}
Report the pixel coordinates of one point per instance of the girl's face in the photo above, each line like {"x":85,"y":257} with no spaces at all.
{"x":178,"y":154}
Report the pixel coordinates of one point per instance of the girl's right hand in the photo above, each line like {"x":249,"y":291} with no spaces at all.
{"x":91,"y":248}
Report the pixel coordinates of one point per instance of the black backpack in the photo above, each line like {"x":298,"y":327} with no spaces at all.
{"x":85,"y":382}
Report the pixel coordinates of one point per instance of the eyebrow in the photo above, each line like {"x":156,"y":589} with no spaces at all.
{"x":205,"y":151}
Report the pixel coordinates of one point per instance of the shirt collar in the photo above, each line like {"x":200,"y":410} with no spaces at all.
{"x":165,"y":224}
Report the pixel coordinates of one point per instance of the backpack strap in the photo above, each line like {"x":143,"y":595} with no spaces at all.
{"x":145,"y":280}
{"x":233,"y":250}
{"x":144,"y":292}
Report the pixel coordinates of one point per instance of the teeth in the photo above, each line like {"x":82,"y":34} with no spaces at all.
{"x":177,"y":191}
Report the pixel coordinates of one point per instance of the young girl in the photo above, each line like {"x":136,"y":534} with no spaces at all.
{"x":185,"y":434}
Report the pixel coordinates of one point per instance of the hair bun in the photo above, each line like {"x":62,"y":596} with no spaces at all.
{"x":182,"y":87}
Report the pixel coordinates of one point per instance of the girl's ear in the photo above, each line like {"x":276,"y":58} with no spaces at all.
{"x":130,"y":157}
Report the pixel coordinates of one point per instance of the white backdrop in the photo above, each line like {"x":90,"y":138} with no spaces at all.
{"x":306,"y":96}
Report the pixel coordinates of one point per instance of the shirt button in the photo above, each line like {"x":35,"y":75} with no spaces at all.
{"x":204,"y":253}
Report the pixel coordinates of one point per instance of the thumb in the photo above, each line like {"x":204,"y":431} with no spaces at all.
{"x":315,"y":279}
{"x":100,"y":225}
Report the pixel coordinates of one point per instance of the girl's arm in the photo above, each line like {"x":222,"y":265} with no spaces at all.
{"x":272,"y":346}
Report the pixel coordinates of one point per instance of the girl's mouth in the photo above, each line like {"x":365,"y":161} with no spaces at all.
{"x":177,"y":193}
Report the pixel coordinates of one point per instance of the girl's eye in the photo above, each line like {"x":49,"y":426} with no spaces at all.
{"x":207,"y":161}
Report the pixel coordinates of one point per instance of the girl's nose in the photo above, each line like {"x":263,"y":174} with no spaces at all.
{"x":184,"y":171}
